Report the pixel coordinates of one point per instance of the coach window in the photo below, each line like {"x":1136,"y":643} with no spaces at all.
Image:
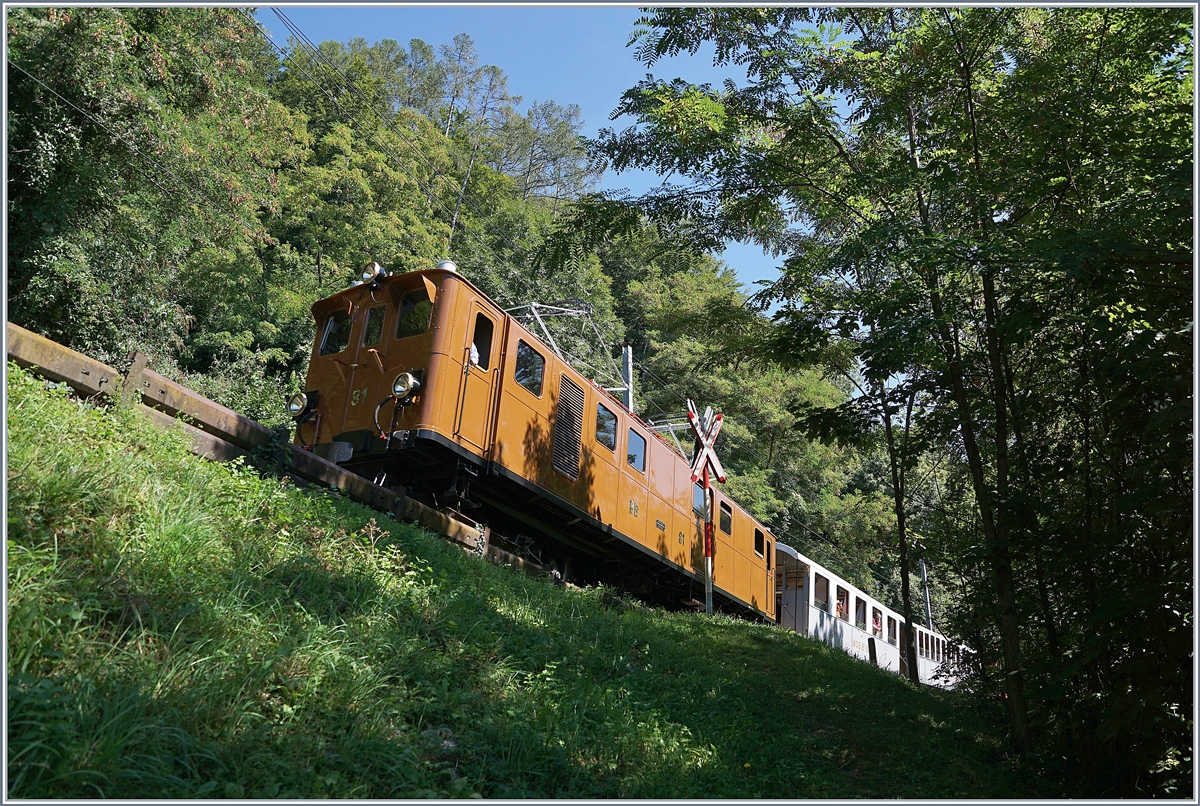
{"x":635,"y":451}
{"x":877,"y":622}
{"x":373,"y":332}
{"x":481,"y":343}
{"x":606,"y":427}
{"x":821,"y":592}
{"x":758,"y":542}
{"x":843,"y":604}
{"x":891,"y":631}
{"x":337,"y":333}
{"x":726,"y":519}
{"x":415,"y":312}
{"x":860,"y":613}
{"x":530,"y":369}
{"x":768,"y":555}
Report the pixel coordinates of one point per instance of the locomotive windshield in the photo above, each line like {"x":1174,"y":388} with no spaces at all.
{"x":415,"y":313}
{"x":374,"y":330}
{"x":337,"y":333}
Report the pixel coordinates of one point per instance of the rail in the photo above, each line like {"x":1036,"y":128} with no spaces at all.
{"x":222,"y":435}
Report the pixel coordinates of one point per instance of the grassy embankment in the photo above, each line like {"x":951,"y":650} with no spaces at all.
{"x":185,"y":629}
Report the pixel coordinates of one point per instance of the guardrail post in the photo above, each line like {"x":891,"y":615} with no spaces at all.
{"x":135,"y":379}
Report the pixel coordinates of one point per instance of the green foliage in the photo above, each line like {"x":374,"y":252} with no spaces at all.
{"x":703,"y":341}
{"x":136,"y":137}
{"x":990,"y":209}
{"x":184,"y":629}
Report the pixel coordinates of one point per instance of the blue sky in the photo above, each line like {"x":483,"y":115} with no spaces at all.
{"x":568,"y":54}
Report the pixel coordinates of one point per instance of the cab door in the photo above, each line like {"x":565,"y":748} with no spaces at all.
{"x":481,"y":368}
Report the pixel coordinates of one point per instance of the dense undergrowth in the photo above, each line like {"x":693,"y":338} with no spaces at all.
{"x":186,"y":629}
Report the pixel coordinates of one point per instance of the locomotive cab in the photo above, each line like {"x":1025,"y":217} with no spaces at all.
{"x":402,"y":372}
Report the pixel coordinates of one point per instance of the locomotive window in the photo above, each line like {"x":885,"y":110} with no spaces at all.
{"x":415,"y":312}
{"x":726,"y":519}
{"x":337,"y":333}
{"x":891,"y":631}
{"x":635,"y":451}
{"x":606,"y":427}
{"x":530,"y":368}
{"x":373,"y":332}
{"x":821,"y":592}
{"x":843,"y":604}
{"x":758,"y":542}
{"x":698,"y":499}
{"x":481,"y":342}
{"x":860,"y":613}
{"x":877,"y":622}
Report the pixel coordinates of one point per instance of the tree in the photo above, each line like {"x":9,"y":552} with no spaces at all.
{"x":136,"y":137}
{"x":543,"y":150}
{"x":963,"y":171}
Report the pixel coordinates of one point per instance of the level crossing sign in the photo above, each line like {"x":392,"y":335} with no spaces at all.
{"x":706,"y":429}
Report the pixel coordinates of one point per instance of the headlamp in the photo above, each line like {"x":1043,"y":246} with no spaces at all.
{"x":405,"y":384}
{"x":298,"y":404}
{"x":373,"y":272}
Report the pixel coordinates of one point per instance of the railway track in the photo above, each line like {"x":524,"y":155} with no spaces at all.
{"x":220,"y":434}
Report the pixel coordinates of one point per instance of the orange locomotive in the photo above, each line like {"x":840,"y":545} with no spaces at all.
{"x":420,"y":380}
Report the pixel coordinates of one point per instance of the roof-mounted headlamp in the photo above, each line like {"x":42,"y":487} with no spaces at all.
{"x":373,"y":272}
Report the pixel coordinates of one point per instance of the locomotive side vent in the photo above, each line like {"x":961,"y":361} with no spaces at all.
{"x":568,"y":428}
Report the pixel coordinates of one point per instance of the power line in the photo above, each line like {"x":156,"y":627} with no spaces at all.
{"x":196,"y":194}
{"x":337,"y":76}
{"x":350,"y":118}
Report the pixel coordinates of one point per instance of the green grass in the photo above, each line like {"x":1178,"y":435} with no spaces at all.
{"x":185,"y":629}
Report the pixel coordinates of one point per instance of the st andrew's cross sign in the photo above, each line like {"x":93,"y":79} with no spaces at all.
{"x":706,"y":430}
{"x":705,"y":459}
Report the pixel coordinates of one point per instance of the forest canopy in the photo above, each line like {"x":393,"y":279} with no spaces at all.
{"x":978,"y":353}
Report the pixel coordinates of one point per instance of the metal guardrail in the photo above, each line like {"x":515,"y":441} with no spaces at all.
{"x":221,"y":434}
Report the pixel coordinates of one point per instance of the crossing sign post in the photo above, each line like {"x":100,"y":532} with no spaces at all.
{"x":704,"y":460}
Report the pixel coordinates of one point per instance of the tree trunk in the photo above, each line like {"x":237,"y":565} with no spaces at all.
{"x":896,"y":462}
{"x":998,"y":550}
